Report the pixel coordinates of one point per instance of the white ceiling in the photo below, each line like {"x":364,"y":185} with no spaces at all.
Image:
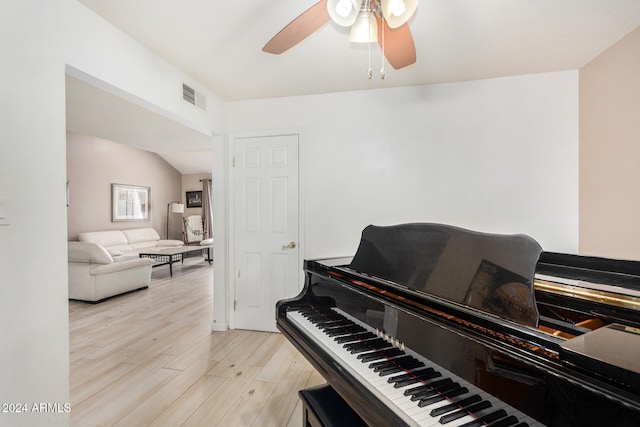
{"x":219,"y":43}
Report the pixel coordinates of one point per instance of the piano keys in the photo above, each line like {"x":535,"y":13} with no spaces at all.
{"x":420,"y":392}
{"x":435,"y":325}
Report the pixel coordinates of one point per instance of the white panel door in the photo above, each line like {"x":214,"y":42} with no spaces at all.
{"x":266,"y":228}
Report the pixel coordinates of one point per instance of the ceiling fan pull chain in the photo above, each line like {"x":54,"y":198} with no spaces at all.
{"x":370,"y":70}
{"x":383,"y":74}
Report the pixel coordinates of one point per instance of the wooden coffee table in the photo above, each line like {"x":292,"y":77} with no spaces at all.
{"x":169,"y":255}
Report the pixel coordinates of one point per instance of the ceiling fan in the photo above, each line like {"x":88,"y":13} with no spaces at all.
{"x":384,"y":21}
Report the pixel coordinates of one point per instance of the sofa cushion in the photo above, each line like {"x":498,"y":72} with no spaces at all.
{"x":114,"y":252}
{"x":137,"y":235}
{"x":119,"y":266}
{"x":91,"y":253}
{"x":144,"y":244}
{"x":170,"y":243}
{"x":156,"y":243}
{"x":104,"y":238}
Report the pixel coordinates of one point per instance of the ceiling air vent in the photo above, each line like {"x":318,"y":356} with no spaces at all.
{"x":194,"y":98}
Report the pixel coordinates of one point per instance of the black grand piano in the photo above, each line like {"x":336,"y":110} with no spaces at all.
{"x":430,"y":324}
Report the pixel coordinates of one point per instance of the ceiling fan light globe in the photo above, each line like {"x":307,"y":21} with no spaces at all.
{"x":344,"y":8}
{"x":398,"y":12}
{"x":399,"y":9}
{"x":364,"y":29}
{"x":344,"y":12}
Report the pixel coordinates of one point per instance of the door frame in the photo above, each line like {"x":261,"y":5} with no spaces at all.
{"x":231,"y":191}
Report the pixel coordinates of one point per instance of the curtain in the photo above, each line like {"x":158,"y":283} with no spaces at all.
{"x":207,"y":209}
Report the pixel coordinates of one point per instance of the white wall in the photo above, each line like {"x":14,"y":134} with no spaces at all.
{"x":42,"y":40}
{"x":94,"y":164}
{"x":34,"y":353}
{"x":100,"y":54}
{"x":495,"y":155}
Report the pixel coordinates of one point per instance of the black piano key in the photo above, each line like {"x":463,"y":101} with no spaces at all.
{"x":359,"y":344}
{"x":463,"y":412}
{"x":324,"y":313}
{"x":458,"y":391}
{"x":409,"y":363}
{"x":407,"y":382}
{"x":332,"y":332}
{"x":430,"y":397}
{"x":355,"y":337}
{"x":522,"y":424}
{"x":409,"y":378}
{"x":316,"y":317}
{"x":329,"y":316}
{"x":376,"y":366}
{"x":336,"y":332}
{"x":307,"y":313}
{"x":428,"y":386}
{"x":414,"y":374}
{"x":423,"y":395}
{"x":389,"y":352}
{"x":320,"y":319}
{"x":363,"y":350}
{"x":383,"y":363}
{"x":383,"y":372}
{"x":399,"y":367}
{"x":332,"y":323}
{"x":368,"y":345}
{"x":486,"y":419}
{"x":360,"y":348}
{"x":378,"y":344}
{"x":314,"y":314}
{"x":455,"y":405}
{"x":505,"y":422}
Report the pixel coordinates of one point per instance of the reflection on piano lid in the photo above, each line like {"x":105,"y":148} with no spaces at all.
{"x":486,"y":327}
{"x":612,"y":351}
{"x":492,"y":273}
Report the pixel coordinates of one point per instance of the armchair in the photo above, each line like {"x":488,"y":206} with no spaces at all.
{"x":193,"y":230}
{"x":95,"y":276}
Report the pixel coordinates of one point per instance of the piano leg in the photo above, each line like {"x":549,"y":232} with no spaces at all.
{"x":323,"y":407}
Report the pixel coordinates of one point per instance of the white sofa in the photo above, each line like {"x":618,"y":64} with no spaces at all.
{"x":95,"y":276}
{"x":126,"y":243}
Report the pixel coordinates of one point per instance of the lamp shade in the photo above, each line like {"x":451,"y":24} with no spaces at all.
{"x":177,"y":208}
{"x":344,"y":12}
{"x":365,"y":29}
{"x":398,"y":12}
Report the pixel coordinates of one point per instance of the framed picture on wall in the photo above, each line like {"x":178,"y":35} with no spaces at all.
{"x":129,"y":203}
{"x":194,"y":199}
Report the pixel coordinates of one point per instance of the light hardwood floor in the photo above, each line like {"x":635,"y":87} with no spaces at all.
{"x":149,"y":358}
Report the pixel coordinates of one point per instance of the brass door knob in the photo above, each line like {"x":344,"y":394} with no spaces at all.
{"x":291,"y":245}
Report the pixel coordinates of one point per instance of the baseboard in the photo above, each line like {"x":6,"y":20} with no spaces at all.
{"x":219,"y":327}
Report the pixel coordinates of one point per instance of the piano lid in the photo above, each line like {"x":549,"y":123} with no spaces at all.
{"x":490,"y":272}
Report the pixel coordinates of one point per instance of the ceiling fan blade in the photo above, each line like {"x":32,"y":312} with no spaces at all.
{"x":299,"y":29}
{"x":399,"y":48}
